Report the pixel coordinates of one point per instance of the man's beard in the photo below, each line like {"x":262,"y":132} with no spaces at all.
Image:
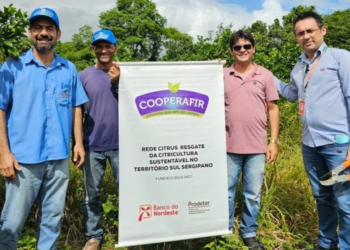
{"x":44,"y":49}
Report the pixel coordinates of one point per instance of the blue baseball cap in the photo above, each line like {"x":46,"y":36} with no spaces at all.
{"x":104,"y":35}
{"x":44,"y":12}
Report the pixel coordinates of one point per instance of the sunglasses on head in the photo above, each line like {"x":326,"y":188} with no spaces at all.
{"x":239,"y":47}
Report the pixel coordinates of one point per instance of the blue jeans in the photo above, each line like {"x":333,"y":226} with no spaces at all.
{"x":94,"y":169}
{"x":333,"y":202}
{"x":46,"y":181}
{"x":252,"y":167}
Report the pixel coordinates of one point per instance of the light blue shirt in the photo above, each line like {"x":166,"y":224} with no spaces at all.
{"x":327,"y":96}
{"x":38,"y":102}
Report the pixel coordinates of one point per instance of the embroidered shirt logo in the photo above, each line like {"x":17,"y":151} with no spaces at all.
{"x":64,"y":95}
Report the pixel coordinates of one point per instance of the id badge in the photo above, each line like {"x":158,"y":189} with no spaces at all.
{"x":301,"y":107}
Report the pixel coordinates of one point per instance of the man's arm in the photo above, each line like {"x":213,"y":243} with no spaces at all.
{"x":344,"y":77}
{"x":8,"y":162}
{"x":78,"y":148}
{"x":274,"y":119}
{"x":290,"y":92}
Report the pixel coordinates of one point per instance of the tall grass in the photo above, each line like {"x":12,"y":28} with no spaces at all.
{"x":287,"y":219}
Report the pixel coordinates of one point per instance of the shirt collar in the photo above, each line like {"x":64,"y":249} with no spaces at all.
{"x":304,"y":58}
{"x":256,"y":71}
{"x":29,"y":57}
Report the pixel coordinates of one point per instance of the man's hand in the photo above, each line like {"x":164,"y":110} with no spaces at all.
{"x":272,"y":152}
{"x":78,"y":155}
{"x":114,"y":72}
{"x":8,"y":165}
{"x":223,"y":62}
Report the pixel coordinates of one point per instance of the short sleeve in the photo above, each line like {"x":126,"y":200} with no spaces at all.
{"x":6,"y":85}
{"x":271,"y":91}
{"x":79,"y":96}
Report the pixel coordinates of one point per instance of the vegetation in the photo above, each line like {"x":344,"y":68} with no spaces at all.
{"x":288,"y":219}
{"x":12,"y":32}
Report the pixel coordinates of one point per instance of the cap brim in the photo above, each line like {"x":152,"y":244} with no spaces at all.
{"x":102,"y":40}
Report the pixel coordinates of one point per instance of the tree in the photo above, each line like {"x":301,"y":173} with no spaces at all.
{"x":12,"y":32}
{"x":84,"y":37}
{"x":176,"y":45}
{"x":209,"y":48}
{"x":276,"y":34}
{"x":259,"y":31}
{"x":79,"y":50}
{"x":338,"y":29}
{"x":258,"y":27}
{"x":138,"y":25}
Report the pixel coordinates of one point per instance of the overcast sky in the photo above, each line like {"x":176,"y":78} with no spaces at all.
{"x":195,"y":17}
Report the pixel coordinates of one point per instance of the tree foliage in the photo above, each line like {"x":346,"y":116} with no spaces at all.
{"x":142,"y":36}
{"x":176,"y":44}
{"x":12,"y":32}
{"x":79,"y":50}
{"x":138,"y":25}
{"x":338,"y":29}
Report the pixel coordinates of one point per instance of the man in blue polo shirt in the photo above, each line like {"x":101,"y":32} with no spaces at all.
{"x":320,"y":81}
{"x":40,"y":100}
{"x":100,"y":128}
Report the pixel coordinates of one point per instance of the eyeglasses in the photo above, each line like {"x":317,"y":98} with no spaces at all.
{"x":239,"y":47}
{"x":310,"y":32}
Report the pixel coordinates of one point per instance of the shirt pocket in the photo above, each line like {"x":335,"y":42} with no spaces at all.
{"x":64,"y":96}
{"x":330,"y":73}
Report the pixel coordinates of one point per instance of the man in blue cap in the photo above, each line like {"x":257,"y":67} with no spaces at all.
{"x":40,"y":101}
{"x":100,"y":129}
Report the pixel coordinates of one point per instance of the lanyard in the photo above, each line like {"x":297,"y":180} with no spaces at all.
{"x":305,"y":69}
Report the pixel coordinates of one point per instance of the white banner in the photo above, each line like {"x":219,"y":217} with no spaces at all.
{"x":173,"y":174}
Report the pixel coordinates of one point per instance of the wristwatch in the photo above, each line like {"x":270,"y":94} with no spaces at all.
{"x":275,"y":141}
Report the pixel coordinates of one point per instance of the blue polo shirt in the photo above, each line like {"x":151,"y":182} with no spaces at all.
{"x":327,"y":96}
{"x":38,"y":102}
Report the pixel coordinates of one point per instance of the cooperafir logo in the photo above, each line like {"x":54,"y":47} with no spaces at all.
{"x":172,"y":102}
{"x":149,"y":211}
